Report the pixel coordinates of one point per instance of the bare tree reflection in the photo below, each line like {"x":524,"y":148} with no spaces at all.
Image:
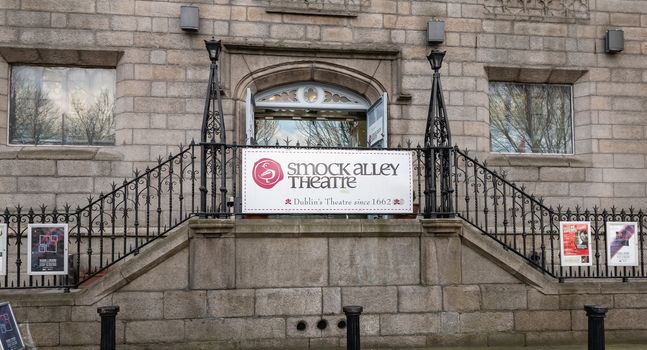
{"x":328,"y":133}
{"x":94,"y":122}
{"x":266,"y":131}
{"x":32,"y":113}
{"x":527,"y":118}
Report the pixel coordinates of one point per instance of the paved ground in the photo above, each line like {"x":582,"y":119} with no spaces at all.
{"x":569,"y":347}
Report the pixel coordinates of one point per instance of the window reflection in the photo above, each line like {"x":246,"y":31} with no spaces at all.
{"x":311,"y":132}
{"x":61,"y":105}
{"x":531,"y":118}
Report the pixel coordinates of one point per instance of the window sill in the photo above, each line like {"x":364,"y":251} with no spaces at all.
{"x":538,"y":160}
{"x":59,"y":153}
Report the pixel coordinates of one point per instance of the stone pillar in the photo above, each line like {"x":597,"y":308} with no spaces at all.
{"x":441,"y":251}
{"x":211,"y":254}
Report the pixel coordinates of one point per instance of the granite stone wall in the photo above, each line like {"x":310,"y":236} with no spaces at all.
{"x":246,"y":284}
{"x":371,"y":46}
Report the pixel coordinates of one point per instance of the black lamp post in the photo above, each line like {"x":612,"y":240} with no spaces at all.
{"x":437,"y":146}
{"x":213,"y":138}
{"x":213,"y":47}
{"x":437,"y":133}
{"x":435,"y":58}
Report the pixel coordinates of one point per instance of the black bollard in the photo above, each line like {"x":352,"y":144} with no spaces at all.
{"x":352,"y":326}
{"x":108,"y":326}
{"x":596,"y":314}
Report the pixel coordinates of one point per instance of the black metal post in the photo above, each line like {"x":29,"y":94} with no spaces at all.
{"x":213,"y":124}
{"x":438,"y":138}
{"x":203,"y":148}
{"x":596,"y":314}
{"x":430,"y":184}
{"x":108,"y":326}
{"x":352,"y":326}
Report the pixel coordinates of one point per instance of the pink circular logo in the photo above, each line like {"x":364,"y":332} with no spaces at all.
{"x":267,"y":173}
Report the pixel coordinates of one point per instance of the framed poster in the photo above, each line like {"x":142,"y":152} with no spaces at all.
{"x":3,"y":249}
{"x":10,"y":338}
{"x":575,"y":243}
{"x":622,"y":243}
{"x":48,"y":249}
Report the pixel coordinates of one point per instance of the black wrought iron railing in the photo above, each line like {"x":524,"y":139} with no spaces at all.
{"x":110,"y":227}
{"x":525,"y":225}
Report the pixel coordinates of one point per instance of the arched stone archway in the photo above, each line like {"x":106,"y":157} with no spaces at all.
{"x":301,"y":71}
{"x":369,"y":74}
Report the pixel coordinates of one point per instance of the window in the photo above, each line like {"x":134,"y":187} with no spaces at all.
{"x":531,"y":118}
{"x":314,"y":114}
{"x":61,"y":106}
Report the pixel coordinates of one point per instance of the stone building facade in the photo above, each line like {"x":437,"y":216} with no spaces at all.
{"x":369,"y":47}
{"x":535,"y":59}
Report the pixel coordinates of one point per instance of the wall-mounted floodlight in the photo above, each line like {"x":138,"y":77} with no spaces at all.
{"x":189,"y":18}
{"x":435,"y":32}
{"x":614,"y":41}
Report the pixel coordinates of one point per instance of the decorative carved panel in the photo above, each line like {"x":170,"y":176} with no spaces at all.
{"x":539,"y":9}
{"x":319,"y":7}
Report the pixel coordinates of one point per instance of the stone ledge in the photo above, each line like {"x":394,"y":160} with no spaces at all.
{"x":272,"y":228}
{"x":365,"y":51}
{"x":39,"y":297}
{"x":538,"y":160}
{"x":60,"y":153}
{"x":93,"y":58}
{"x":442,"y":227}
{"x":533,"y":75}
{"x":211,"y":227}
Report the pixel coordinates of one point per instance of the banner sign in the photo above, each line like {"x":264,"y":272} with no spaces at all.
{"x":622,"y":243}
{"x":10,"y":338}
{"x":575,"y":243}
{"x":48,"y":249}
{"x":326,"y":181}
{"x":3,"y":249}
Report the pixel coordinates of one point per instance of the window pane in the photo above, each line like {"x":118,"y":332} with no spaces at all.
{"x":531,"y":118}
{"x":61,"y":105}
{"x":309,"y":132}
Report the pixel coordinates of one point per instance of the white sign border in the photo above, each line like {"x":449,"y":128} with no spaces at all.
{"x":561,"y":243}
{"x":65,"y":251}
{"x":635,"y":246}
{"x":410,"y":154}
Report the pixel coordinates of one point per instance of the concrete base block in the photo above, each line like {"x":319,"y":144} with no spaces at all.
{"x":281,"y":262}
{"x":230,"y":303}
{"x":212,"y":263}
{"x":288,"y":301}
{"x":374,"y":261}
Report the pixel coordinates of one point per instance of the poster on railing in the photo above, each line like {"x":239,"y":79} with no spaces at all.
{"x":3,"y":249}
{"x":10,"y":338}
{"x":622,"y":243}
{"x":575,"y":243}
{"x":284,"y":180}
{"x":48,"y":249}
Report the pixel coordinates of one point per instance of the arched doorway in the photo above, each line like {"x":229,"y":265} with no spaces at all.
{"x":311,"y":113}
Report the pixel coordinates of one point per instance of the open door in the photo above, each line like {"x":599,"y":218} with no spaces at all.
{"x":250,"y":106}
{"x":376,"y":129}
